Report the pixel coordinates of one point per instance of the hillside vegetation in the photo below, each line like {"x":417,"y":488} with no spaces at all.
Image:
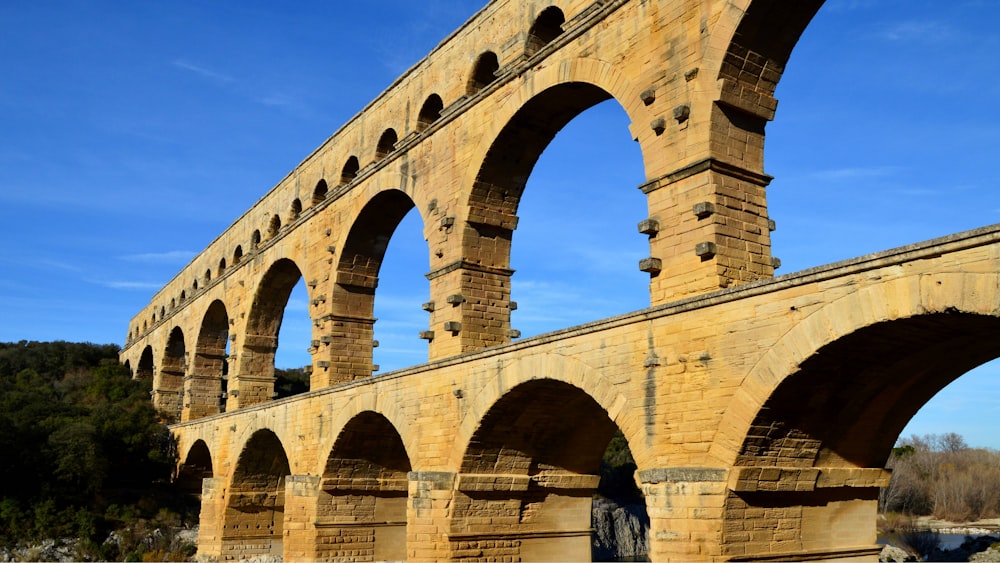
{"x":83,"y":452}
{"x":941,"y":476}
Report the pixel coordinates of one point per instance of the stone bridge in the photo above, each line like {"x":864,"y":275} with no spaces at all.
{"x":759,"y":410}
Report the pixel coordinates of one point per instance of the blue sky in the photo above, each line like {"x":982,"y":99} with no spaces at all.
{"x":131,"y":134}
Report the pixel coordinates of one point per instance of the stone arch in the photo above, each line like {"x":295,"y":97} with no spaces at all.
{"x":826,"y":403}
{"x":255,"y":239}
{"x":256,"y":360}
{"x":222,"y":266}
{"x":563,"y":369}
{"x":205,"y":385}
{"x":195,"y":467}
{"x":237,"y":254}
{"x":363,"y":493}
{"x":546,"y":27}
{"x":429,"y":112}
{"x":531,"y":469}
{"x":319,"y":192}
{"x":386,"y":143}
{"x":254,"y":512}
{"x":274,"y":226}
{"x":350,"y":170}
{"x":484,"y":72}
{"x":521,"y":130}
{"x":295,"y":210}
{"x":169,"y":381}
{"x":356,"y":278}
{"x":946,"y":303}
{"x":208,"y":276}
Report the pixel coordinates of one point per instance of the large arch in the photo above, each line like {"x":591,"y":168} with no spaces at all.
{"x":363,"y":493}
{"x":144,"y":369}
{"x":254,"y":382}
{"x":205,"y":385}
{"x":525,"y":125}
{"x":827,"y":402}
{"x":253,"y":523}
{"x":168,"y":384}
{"x":353,"y":297}
{"x":529,"y":473}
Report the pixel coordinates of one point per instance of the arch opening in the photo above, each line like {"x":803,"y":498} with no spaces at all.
{"x":430,"y":111}
{"x":145,"y":369}
{"x":483,"y":73}
{"x":257,"y":361}
{"x":841,"y":412}
{"x":255,"y":508}
{"x":319,"y":193}
{"x":386,"y":143}
{"x":196,"y":467}
{"x":562,"y":226}
{"x":357,"y":277}
{"x":544,"y":443}
{"x":169,"y":385}
{"x":363,"y":493}
{"x":350,"y":170}
{"x":206,"y":385}
{"x":547,"y":26}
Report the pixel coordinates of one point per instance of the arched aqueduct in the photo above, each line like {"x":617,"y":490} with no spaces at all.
{"x":760,"y":410}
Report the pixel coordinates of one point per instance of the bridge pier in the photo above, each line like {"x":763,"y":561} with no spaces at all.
{"x":471,"y":301}
{"x":201,"y":394}
{"x":795,"y":513}
{"x":710,"y":229}
{"x":428,"y":513}
{"x":211,"y":521}
{"x":300,"y":533}
{"x":686,"y":512}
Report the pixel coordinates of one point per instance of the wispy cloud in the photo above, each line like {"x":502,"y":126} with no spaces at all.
{"x":127,"y":285}
{"x":849,"y":5}
{"x":856,"y":172}
{"x":203,"y":72}
{"x":169,"y":257}
{"x":922,"y":31}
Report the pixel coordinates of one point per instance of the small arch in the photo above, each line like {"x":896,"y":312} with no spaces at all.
{"x":222,"y":266}
{"x":183,"y":295}
{"x":547,"y":26}
{"x":237,"y":254}
{"x":194,"y":284}
{"x":274,"y":226}
{"x":255,"y":239}
{"x":430,"y":112}
{"x":483,"y":73}
{"x":163,"y":312}
{"x":196,"y":467}
{"x":350,"y":170}
{"x":296,"y":210}
{"x":208,"y":276}
{"x":144,"y":326}
{"x":386,"y":143}
{"x":173,"y":303}
{"x":145,"y":368}
{"x":319,"y":192}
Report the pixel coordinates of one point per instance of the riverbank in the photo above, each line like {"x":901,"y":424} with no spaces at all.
{"x":930,"y":539}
